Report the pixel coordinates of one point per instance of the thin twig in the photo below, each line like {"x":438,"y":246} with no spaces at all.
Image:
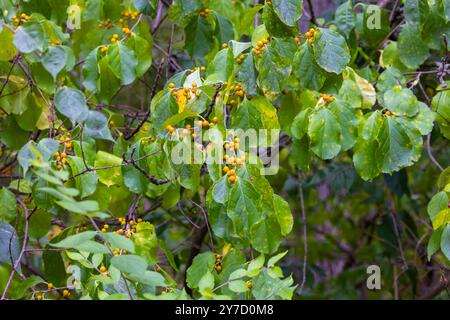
{"x":22,"y":251}
{"x":152,"y":94}
{"x":305,"y":238}
{"x":206,"y":222}
{"x":213,"y":101}
{"x":430,"y":154}
{"x":151,"y":178}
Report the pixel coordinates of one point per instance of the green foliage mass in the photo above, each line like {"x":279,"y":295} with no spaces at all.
{"x":95,"y":98}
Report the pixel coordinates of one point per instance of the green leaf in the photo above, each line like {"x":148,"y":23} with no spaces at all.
{"x":141,"y":48}
{"x":91,"y":71}
{"x":75,"y":240}
{"x":96,"y":126}
{"x":163,"y":107}
{"x":71,"y":103}
{"x":434,"y":243}
{"x":147,"y":7}
{"x":149,"y":278}
{"x":146,"y":242}
{"x":32,"y":151}
{"x":305,"y":68}
{"x":397,"y":145}
{"x":199,"y":37}
{"x":54,"y":60}
{"x":244,"y":205}
{"x":272,"y":261}
{"x":109,"y":176}
{"x":331,"y":51}
{"x":289,"y":11}
{"x":283,"y":215}
{"x":202,"y":263}
{"x":25,"y":285}
{"x":221,"y":67}
{"x":9,"y":244}
{"x":265,"y":235}
{"x":207,"y":281}
{"x":247,"y":75}
{"x":274,"y":26}
{"x":438,"y":203}
{"x":255,"y":265}
{"x":108,"y":84}
{"x":8,"y":205}
{"x":401,"y":101}
{"x":390,"y":78}
{"x":411,"y":49}
{"x":274,"y":68}
{"x":122,"y":62}
{"x":416,"y":11}
{"x":445,"y":242}
{"x":118,"y":241}
{"x":224,"y":28}
{"x":235,"y":282}
{"x":92,"y":247}
{"x":345,"y":18}
{"x":29,"y":37}
{"x":325,"y":133}
{"x":130,"y":264}
{"x":246,"y":116}
{"x":441,"y":105}
{"x":86,"y":182}
{"x":424,"y":120}
{"x":8,"y":50}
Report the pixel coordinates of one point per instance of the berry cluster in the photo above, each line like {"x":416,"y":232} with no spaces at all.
{"x":127,"y":31}
{"x":18,"y":19}
{"x":66,"y":139}
{"x":61,"y":159}
{"x":54,"y":232}
{"x":103,"y":270}
{"x":388,"y":113}
{"x":148,"y":140}
{"x":130,"y":15}
{"x":240,"y":59}
{"x":218,"y":264}
{"x":204,"y":12}
{"x":328,"y":98}
{"x":310,"y":35}
{"x":232,"y":162}
{"x":118,"y":252}
{"x":114,"y":37}
{"x":105,"y":24}
{"x":260,"y":47}
{"x":129,"y":228}
{"x":182,"y":95}
{"x":236,"y":93}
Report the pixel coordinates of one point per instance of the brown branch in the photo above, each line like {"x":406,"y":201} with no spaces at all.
{"x":213,"y":101}
{"x":152,"y":94}
{"x":312,"y":16}
{"x":16,"y":264}
{"x":305,"y":236}
{"x":112,"y":166}
{"x":151,"y":178}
